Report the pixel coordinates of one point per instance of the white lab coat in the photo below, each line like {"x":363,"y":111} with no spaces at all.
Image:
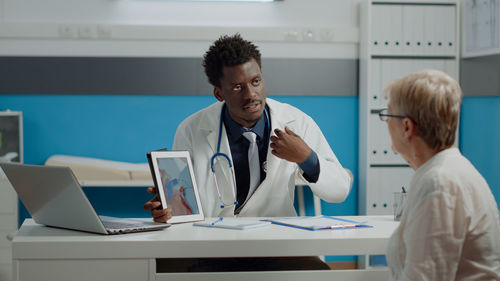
{"x":275,"y":195}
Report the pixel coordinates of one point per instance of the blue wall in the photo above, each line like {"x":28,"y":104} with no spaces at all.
{"x":480,"y":138}
{"x":124,"y":128}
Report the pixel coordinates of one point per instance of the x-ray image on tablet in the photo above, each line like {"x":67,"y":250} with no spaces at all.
{"x":174,"y":178}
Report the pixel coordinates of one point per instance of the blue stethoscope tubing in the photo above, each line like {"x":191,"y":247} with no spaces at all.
{"x":218,"y":153}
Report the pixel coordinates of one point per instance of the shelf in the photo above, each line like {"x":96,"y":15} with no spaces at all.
{"x":396,"y":38}
{"x":413,"y":56}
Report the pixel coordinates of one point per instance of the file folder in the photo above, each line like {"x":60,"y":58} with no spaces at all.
{"x":318,"y":223}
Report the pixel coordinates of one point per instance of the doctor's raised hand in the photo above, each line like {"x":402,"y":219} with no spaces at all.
{"x":154,"y":205}
{"x":289,"y":146}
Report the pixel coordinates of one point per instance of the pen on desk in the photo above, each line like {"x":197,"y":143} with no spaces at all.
{"x":216,"y":221}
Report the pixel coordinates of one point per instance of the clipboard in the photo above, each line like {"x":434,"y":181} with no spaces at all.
{"x":318,"y":223}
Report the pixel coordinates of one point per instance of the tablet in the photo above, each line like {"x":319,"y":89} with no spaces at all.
{"x":173,"y":177}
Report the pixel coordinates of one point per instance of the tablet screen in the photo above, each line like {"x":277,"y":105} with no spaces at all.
{"x":174,"y":178}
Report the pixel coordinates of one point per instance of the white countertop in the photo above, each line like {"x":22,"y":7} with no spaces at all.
{"x":35,"y":241}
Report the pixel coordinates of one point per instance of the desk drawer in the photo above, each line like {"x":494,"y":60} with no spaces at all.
{"x":83,"y":270}
{"x":316,"y":275}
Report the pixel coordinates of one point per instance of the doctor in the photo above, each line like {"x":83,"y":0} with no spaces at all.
{"x":289,"y":143}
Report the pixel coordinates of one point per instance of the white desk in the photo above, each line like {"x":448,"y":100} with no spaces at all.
{"x":44,"y":253}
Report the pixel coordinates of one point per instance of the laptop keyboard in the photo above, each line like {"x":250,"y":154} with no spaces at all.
{"x":115,"y":226}
{"x":121,"y":225}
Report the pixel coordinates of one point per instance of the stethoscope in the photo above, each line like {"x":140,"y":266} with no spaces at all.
{"x":225,"y":156}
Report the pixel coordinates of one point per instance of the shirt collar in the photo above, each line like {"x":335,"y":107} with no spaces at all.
{"x":235,"y":130}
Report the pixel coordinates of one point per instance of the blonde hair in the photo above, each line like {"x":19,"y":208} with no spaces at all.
{"x":432,"y":99}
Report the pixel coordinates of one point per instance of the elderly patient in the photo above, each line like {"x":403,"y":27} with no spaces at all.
{"x":450,"y":228}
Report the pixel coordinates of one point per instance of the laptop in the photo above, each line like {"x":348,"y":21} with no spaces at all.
{"x":54,"y":198}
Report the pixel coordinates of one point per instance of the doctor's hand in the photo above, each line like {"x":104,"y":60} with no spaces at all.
{"x":289,"y":146}
{"x":158,"y":214}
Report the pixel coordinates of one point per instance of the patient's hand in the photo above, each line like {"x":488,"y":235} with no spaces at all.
{"x":158,"y":214}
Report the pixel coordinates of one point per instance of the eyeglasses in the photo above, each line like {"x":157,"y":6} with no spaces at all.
{"x":384,"y":115}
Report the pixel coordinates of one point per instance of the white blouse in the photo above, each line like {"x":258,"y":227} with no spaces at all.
{"x":450,"y":228}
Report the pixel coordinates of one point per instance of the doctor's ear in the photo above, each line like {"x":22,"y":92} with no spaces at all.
{"x":218,"y":94}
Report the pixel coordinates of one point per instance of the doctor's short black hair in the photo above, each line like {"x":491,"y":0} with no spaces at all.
{"x":228,"y":51}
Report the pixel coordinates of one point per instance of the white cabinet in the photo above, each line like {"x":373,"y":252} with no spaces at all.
{"x":397,"y":38}
{"x":11,"y":150}
{"x":8,"y":225}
